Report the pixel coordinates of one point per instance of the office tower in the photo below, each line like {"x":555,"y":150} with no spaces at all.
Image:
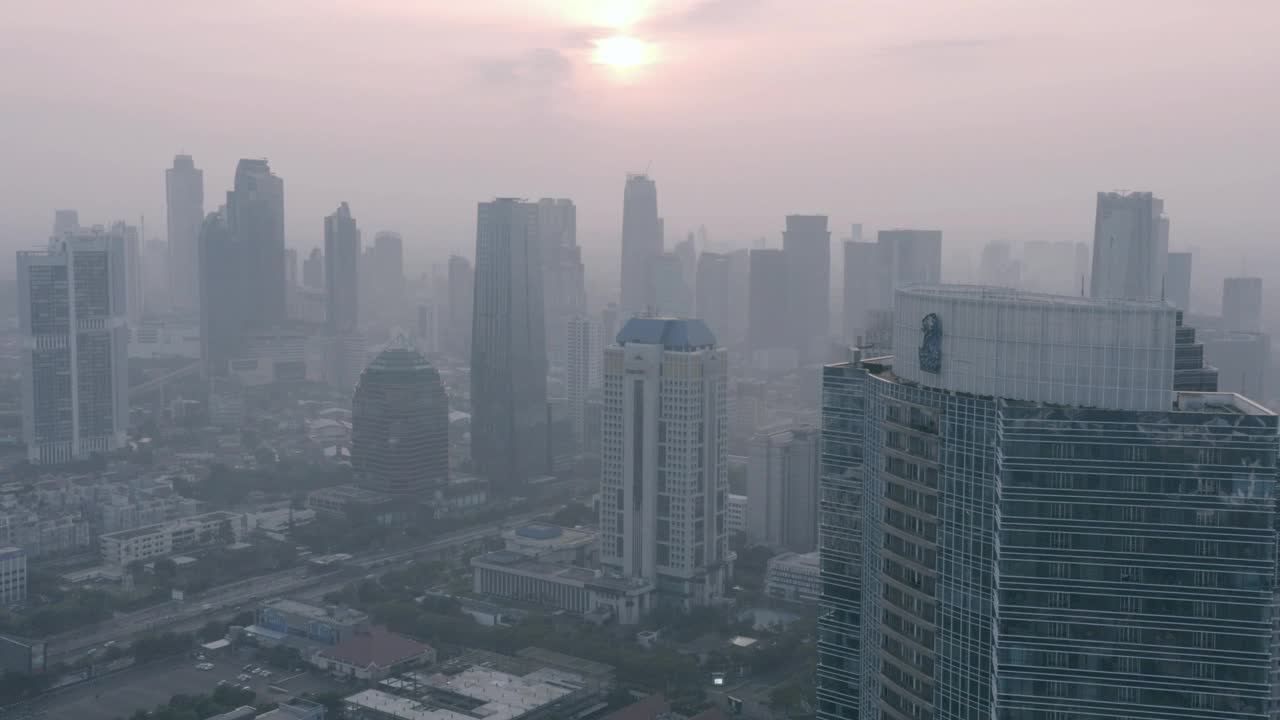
{"x":255,"y":216}
{"x":342,"y":271}
{"x":1190,"y":372}
{"x":382,"y":287}
{"x":1130,"y":246}
{"x":563,"y":278}
{"x":912,"y":257}
{"x":641,"y":243}
{"x":687,"y":251}
{"x":75,"y":374}
{"x":998,"y":267}
{"x":665,"y":481}
{"x":508,"y":348}
{"x":739,"y":297}
{"x":313,"y":270}
{"x":1055,"y":267}
{"x":782,"y":489}
{"x":155,"y":278}
{"x":400,"y":423}
{"x":583,"y":351}
{"x":609,"y":324}
{"x":863,"y":268}
{"x":1242,"y":361}
{"x":291,"y":268}
{"x":712,"y":292}
{"x":670,"y":296}
{"x":223,"y":301}
{"x":768,"y":304}
{"x":1177,"y":285}
{"x":1242,"y":304}
{"x":184,"y":206}
{"x":428,"y":327}
{"x":462,"y":290}
{"x":1008,"y":535}
{"x":65,"y":221}
{"x":807,"y":245}
{"x":134,"y":293}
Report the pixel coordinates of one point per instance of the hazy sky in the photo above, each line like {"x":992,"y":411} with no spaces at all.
{"x":985,"y":118}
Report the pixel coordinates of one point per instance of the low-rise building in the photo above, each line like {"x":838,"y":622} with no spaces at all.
{"x":552,"y":543}
{"x":373,"y":653}
{"x":326,"y":625}
{"x":560,"y":586}
{"x":794,"y":577}
{"x":13,"y":576}
{"x":295,"y":709}
{"x":356,"y":503}
{"x":119,"y":549}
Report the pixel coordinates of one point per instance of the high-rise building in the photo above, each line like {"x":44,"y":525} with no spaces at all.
{"x":1130,"y":247}
{"x":291,"y":268}
{"x":610,"y":324}
{"x":1177,"y":286}
{"x":712,"y":293}
{"x":1190,"y":371}
{"x":313,"y":270}
{"x":255,"y":216}
{"x":998,"y":267}
{"x":382,"y":286}
{"x":564,"y":277}
{"x":641,"y":243}
{"x":782,"y":489}
{"x":768,"y":304}
{"x":1242,"y":361}
{"x":583,"y":353}
{"x":462,"y":290}
{"x":687,"y":251}
{"x":65,"y":221}
{"x":508,"y":347}
{"x":1016,"y":524}
{"x":739,"y":298}
{"x":1242,"y":304}
{"x":807,"y":246}
{"x":873,"y":271}
{"x":665,"y":482}
{"x":400,"y":423}
{"x":75,"y":374}
{"x":134,"y":284}
{"x":863,"y":269}
{"x":342,"y":271}
{"x":224,"y":304}
{"x":671,"y":295}
{"x":1061,"y":268}
{"x":912,"y":257}
{"x":184,"y":204}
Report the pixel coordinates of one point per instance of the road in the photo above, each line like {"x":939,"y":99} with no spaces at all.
{"x":181,"y":616}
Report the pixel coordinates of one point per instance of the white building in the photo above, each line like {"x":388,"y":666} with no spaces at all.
{"x":560,"y":586}
{"x":794,"y":577}
{"x":75,"y":375}
{"x":736,"y":514}
{"x":782,"y":482}
{"x":1130,"y":247}
{"x":582,"y":370}
{"x":665,"y":482}
{"x":119,"y":549}
{"x":13,"y":576}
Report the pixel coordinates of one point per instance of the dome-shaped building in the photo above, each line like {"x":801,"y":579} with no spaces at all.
{"x":400,"y":423}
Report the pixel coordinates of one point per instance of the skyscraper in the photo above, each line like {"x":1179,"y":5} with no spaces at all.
{"x":1242,"y":304}
{"x":739,"y":298}
{"x":1178,"y":281}
{"x":462,"y":290}
{"x":508,"y":347}
{"x":255,"y":216}
{"x":807,"y":245}
{"x":665,"y":481}
{"x":134,"y":285}
{"x":712,"y":292}
{"x":342,"y":271}
{"x":400,"y":423}
{"x":224,"y":302}
{"x":582,"y":370}
{"x":1008,"y":535}
{"x":75,"y":374}
{"x":768,"y":306}
{"x":782,"y":489}
{"x":1130,"y":247}
{"x":912,"y":257}
{"x":671,"y":295}
{"x":641,"y":243}
{"x":184,"y":204}
{"x":65,"y":221}
{"x":291,"y":268}
{"x":313,"y":270}
{"x":863,"y":275}
{"x":563,"y":278}
{"x":382,"y":287}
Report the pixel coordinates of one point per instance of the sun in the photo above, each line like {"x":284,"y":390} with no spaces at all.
{"x":621,"y":52}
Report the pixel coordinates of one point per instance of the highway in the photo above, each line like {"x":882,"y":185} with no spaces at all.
{"x":225,"y":601}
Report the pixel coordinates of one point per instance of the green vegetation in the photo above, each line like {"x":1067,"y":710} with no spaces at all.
{"x":198,"y":707}
{"x":57,"y":608}
{"x":227,"y":486}
{"x":219,"y":566}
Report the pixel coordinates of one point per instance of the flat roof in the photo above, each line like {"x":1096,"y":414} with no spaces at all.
{"x":315,"y":612}
{"x":1015,"y":296}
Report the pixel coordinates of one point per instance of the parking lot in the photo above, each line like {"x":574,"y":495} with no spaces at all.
{"x":143,"y":688}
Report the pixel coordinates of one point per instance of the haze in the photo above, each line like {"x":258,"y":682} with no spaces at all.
{"x":991,"y":119}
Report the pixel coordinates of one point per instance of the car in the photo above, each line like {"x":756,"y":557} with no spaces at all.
{"x":242,"y":677}
{"x":223,"y":683}
{"x":246,"y":688}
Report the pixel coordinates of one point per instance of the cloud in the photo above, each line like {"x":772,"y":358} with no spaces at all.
{"x":943,"y":46}
{"x":704,"y":14}
{"x":536,"y":68}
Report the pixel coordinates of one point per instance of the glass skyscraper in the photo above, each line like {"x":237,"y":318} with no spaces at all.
{"x":1048,"y":530}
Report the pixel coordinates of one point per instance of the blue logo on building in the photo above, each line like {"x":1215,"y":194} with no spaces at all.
{"x":931,"y":344}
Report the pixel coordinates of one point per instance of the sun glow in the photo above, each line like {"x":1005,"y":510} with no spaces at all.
{"x":622,"y":52}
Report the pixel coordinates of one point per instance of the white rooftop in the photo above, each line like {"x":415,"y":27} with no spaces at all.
{"x":505,"y":696}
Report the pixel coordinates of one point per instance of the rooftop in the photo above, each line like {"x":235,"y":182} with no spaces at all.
{"x":315,"y":612}
{"x":671,"y":333}
{"x":1022,"y":297}
{"x":473,"y":693}
{"x":376,"y":646}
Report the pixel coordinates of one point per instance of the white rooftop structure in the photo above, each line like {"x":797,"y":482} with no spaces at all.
{"x":504,"y":696}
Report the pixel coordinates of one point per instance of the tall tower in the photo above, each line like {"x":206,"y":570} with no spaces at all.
{"x":582,"y":370}
{"x":1008,"y":535}
{"x":342,"y":271}
{"x":255,"y":216}
{"x":665,"y":481}
{"x":462,"y":295}
{"x":508,"y":347}
{"x":1178,"y":282}
{"x":313,"y":269}
{"x":1130,"y":247}
{"x":807,"y":244}
{"x":75,"y":374}
{"x":641,"y":243}
{"x":782,"y":489}
{"x":400,"y":424}
{"x":184,"y":204}
{"x":768,"y":306}
{"x":1242,"y":304}
{"x":224,"y":304}
{"x":711,"y":291}
{"x":563,"y":275}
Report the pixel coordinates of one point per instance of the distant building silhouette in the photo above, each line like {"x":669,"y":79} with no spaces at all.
{"x":768,"y":305}
{"x":313,"y":270}
{"x":255,"y":216}
{"x":1242,"y":304}
{"x":184,"y":204}
{"x":711,"y":292}
{"x":563,"y":275}
{"x":462,"y":290}
{"x":782,"y":488}
{"x":807,"y":245}
{"x":1178,"y":281}
{"x":509,"y":442}
{"x":641,"y":243}
{"x":342,"y":271}
{"x":1130,"y":247}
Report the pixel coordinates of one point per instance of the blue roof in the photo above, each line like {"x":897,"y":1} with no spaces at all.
{"x":670,"y":333}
